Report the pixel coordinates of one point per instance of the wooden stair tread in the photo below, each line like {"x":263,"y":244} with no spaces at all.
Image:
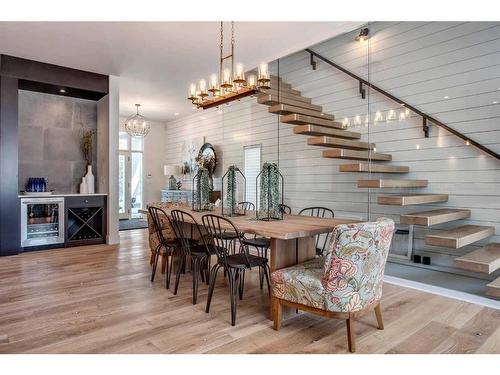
{"x":388,"y":183}
{"x":274,"y":100}
{"x":460,"y":236}
{"x":322,"y":130}
{"x":298,"y":119}
{"x":374,"y":168}
{"x":339,"y":142}
{"x":485,"y":259}
{"x":340,"y":153}
{"x":493,"y":288}
{"x":286,"y":109}
{"x":283,"y":90}
{"x":284,"y":95}
{"x":410,"y":199}
{"x":434,"y":217}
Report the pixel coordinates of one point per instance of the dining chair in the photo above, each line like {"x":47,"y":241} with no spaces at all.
{"x":261,"y":244}
{"x":344,"y":284}
{"x":285,"y":209}
{"x":196,"y":248}
{"x":234,"y":263}
{"x":163,"y":245}
{"x":322,"y":212}
{"x":242,"y":207}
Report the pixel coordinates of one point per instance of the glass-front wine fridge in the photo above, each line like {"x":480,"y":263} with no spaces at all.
{"x":42,"y":221}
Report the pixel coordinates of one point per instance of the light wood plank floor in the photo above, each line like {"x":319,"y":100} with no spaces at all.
{"x":99,"y":299}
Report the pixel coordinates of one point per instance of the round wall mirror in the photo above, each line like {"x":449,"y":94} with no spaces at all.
{"x":208,"y":157}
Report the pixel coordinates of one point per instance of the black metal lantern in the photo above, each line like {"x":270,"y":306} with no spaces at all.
{"x":233,"y":191}
{"x":269,"y":196}
{"x":201,"y":191}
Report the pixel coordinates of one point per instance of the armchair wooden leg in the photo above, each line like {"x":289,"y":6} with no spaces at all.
{"x":378,"y":314}
{"x":277,"y":313}
{"x":350,"y":333}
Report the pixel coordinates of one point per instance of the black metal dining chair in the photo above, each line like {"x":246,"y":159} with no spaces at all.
{"x":161,"y":221}
{"x":235,"y":263}
{"x":285,"y":209}
{"x":197,"y":249}
{"x":261,"y":244}
{"x":322,"y":212}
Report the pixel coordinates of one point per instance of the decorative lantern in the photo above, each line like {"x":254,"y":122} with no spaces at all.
{"x":201,"y":191}
{"x":270,"y":187}
{"x":233,"y":191}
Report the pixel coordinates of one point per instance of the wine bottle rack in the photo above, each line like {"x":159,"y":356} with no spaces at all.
{"x":85,"y":221}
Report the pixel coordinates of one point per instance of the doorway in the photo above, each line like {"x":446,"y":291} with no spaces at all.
{"x":130,"y":177}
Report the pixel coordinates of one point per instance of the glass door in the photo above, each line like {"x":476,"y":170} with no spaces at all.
{"x":42,"y":221}
{"x":130,"y":177}
{"x":124,"y":185}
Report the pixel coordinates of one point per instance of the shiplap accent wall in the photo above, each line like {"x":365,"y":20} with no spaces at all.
{"x":420,"y":62}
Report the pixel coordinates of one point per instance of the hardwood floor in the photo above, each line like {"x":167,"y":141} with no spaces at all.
{"x":98,"y":299}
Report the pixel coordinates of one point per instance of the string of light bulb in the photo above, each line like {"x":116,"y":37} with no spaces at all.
{"x":392,"y":115}
{"x":230,"y":83}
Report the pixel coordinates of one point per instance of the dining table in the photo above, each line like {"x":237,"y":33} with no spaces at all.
{"x":293,"y":239}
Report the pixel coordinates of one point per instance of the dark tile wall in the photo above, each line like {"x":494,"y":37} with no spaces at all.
{"x":50,"y":128}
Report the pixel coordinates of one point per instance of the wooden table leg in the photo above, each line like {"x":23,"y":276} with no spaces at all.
{"x":286,"y":253}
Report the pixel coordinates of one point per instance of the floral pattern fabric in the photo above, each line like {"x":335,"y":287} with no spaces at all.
{"x":350,"y":276}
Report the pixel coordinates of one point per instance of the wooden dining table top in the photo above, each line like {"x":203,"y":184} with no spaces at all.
{"x":291,"y":227}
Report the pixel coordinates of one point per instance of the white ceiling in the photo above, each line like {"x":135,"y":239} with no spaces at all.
{"x":156,"y":61}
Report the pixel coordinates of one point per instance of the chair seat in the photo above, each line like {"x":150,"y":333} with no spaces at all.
{"x":257,"y":242}
{"x":302,"y":284}
{"x":239,"y":261}
{"x":227,"y":236}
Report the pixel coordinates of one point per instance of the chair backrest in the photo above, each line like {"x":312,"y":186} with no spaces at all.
{"x":355,"y":262}
{"x":317,"y":212}
{"x":160,"y":222}
{"x":246,"y":206}
{"x":322,"y":240}
{"x":285,"y":209}
{"x":184,"y":233}
{"x":216,"y":227}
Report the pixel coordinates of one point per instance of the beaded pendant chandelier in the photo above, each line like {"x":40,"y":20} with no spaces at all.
{"x":136,"y":125}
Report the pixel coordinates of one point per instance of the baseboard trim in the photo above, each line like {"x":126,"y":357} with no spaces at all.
{"x":462,"y":296}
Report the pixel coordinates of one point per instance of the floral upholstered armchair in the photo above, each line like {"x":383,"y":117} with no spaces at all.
{"x":346,"y":282}
{"x":153,"y":238}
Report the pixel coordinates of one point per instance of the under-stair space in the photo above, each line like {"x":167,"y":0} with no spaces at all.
{"x":338,"y":143}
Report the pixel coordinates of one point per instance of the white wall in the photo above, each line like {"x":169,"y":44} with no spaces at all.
{"x":420,"y":62}
{"x":154,"y":159}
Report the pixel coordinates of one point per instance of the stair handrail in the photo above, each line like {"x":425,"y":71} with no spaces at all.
{"x":425,"y":117}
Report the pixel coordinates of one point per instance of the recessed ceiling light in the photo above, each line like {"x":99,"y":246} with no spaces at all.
{"x":495,"y":102}
{"x":62,"y":91}
{"x":176,"y":114}
{"x":446,"y":97}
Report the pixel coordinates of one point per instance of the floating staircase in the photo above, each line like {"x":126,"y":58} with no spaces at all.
{"x":324,"y":131}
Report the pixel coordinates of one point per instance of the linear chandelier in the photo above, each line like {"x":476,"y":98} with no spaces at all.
{"x":229,"y":84}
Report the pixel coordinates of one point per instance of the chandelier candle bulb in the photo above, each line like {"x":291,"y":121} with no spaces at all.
{"x":252,"y":81}
{"x":214,"y":84}
{"x":263,"y":73}
{"x":202,"y":86}
{"x":239,"y":77}
{"x":192,"y":92}
{"x":226,"y":79}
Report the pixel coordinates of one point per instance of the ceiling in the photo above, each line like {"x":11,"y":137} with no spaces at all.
{"x":156,"y":61}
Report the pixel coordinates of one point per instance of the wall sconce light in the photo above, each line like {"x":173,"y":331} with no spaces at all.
{"x":363,"y":35}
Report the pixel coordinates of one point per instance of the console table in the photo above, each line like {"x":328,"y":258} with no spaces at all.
{"x":176,"y":196}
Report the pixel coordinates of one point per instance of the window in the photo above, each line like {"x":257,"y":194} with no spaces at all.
{"x":252,"y":169}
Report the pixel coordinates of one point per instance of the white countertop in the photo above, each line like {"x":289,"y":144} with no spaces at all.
{"x":60,"y":195}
